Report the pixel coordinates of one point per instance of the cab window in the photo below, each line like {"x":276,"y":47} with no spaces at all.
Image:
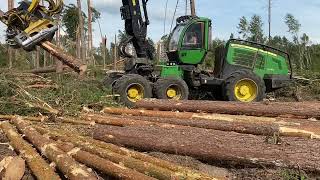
{"x":194,"y":36}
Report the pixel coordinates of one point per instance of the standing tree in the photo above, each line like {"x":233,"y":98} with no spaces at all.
{"x":294,"y":28}
{"x":10,"y":50}
{"x":243,"y":28}
{"x":81,"y":34}
{"x":255,"y":29}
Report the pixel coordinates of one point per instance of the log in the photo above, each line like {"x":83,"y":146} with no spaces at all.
{"x":114,"y":170}
{"x":74,"y":121}
{"x":116,"y":121}
{"x":42,"y":86}
{"x":13,"y":168}
{"x":220,"y":147}
{"x":27,"y":118}
{"x":148,"y":113}
{"x":66,"y":164}
{"x":284,"y":109}
{"x":70,"y":61}
{"x":246,"y":125}
{"x":140,"y":162}
{"x":39,"y":167}
{"x":44,"y":70}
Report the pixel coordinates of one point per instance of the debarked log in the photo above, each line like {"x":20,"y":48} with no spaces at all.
{"x":268,"y":109}
{"x":39,"y":167}
{"x":112,"y":169}
{"x":66,"y":164}
{"x":245,"y":124}
{"x":154,"y":167}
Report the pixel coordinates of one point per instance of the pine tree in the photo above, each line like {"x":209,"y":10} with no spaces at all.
{"x":255,"y":29}
{"x":243,"y":27}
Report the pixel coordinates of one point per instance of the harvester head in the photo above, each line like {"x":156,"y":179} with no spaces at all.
{"x":30,"y":23}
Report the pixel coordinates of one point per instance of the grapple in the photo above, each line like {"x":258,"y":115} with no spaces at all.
{"x":31,"y":23}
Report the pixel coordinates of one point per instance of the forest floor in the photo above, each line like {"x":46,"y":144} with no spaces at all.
{"x":32,"y":95}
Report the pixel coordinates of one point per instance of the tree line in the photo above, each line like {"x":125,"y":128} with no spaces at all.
{"x":305,"y":55}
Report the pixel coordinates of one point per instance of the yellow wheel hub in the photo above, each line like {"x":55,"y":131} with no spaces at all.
{"x":174,"y":93}
{"x":171,"y":93}
{"x":135,"y":93}
{"x":246,"y":90}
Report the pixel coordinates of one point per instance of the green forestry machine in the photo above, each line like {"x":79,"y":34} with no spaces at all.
{"x":243,"y":71}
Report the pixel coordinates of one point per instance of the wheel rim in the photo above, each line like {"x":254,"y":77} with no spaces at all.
{"x":174,"y":93}
{"x":246,"y":90}
{"x":135,"y":92}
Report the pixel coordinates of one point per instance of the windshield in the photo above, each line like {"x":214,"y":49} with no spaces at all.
{"x":174,"y":41}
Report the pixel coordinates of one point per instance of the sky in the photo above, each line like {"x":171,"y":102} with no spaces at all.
{"x":225,"y":16}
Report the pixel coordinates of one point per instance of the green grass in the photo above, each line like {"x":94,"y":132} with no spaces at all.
{"x":292,"y":175}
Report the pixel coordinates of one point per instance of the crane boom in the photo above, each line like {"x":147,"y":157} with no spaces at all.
{"x":135,"y":15}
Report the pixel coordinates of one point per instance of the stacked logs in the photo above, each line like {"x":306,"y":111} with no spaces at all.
{"x":73,"y":155}
{"x":267,"y":138}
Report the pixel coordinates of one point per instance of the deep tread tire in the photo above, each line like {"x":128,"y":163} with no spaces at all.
{"x":230,"y":83}
{"x":122,"y":84}
{"x":161,"y":86}
{"x":110,"y":79}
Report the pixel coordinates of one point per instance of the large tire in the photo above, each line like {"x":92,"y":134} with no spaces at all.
{"x":132,"y":88}
{"x":171,"y":88}
{"x":244,"y":86}
{"x":110,"y":79}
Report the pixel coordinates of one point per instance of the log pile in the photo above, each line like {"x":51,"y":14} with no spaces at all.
{"x":73,"y":155}
{"x":276,"y":137}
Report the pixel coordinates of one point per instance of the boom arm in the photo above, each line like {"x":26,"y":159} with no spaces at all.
{"x":136,"y":26}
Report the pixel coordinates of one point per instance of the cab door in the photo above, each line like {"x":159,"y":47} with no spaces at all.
{"x":193,"y":43}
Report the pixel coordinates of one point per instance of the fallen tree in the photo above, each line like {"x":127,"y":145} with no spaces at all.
{"x":142,"y":163}
{"x":219,"y":147}
{"x":45,"y":70}
{"x":283,"y":109}
{"x":66,"y":164}
{"x":39,"y":167}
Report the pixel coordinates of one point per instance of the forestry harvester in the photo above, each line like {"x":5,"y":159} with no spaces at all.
{"x":243,"y":71}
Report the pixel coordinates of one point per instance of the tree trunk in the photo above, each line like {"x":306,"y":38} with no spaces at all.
{"x":59,"y":64}
{"x":11,"y":51}
{"x":37,"y":59}
{"x":39,"y":167}
{"x":214,"y":146}
{"x":283,"y":109}
{"x":66,"y":164}
{"x":115,"y":53}
{"x":70,"y":61}
{"x":81,"y":33}
{"x":90,"y":40}
{"x":43,"y":70}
